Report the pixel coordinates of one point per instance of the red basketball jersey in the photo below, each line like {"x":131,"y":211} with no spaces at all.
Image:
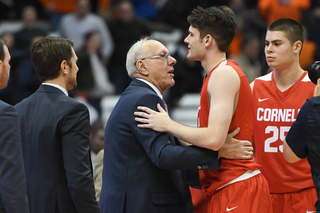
{"x":243,"y":116}
{"x":274,"y":113}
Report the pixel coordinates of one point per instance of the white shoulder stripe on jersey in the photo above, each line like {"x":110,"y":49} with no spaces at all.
{"x":306,"y":79}
{"x":223,"y":63}
{"x":266,"y":77}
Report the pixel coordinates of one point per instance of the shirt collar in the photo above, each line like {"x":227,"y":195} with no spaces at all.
{"x":152,"y":86}
{"x":57,"y":86}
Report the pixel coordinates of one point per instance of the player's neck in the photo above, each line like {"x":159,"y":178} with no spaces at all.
{"x":285,"y":78}
{"x":212,"y":60}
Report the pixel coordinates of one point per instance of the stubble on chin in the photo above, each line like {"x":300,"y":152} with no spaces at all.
{"x":4,"y":82}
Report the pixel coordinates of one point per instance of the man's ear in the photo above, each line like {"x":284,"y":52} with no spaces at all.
{"x":297,"y":46}
{"x":63,"y":67}
{"x":142,"y":68}
{"x":207,"y":40}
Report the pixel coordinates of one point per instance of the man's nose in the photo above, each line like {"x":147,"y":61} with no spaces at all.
{"x":171,"y":60}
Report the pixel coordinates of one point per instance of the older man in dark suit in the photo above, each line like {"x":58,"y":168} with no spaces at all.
{"x":147,"y":171}
{"x":55,"y":134}
{"x":13,"y":195}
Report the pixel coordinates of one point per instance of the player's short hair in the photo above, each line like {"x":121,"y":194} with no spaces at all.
{"x":219,"y":22}
{"x":291,"y":29}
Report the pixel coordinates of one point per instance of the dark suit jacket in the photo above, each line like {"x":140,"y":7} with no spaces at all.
{"x":13,"y":195}
{"x":55,"y":143}
{"x":140,"y":172}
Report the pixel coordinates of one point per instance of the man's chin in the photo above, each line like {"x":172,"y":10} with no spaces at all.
{"x":189,"y":57}
{"x":173,"y":83}
{"x":74,"y":86}
{"x":4,"y":85}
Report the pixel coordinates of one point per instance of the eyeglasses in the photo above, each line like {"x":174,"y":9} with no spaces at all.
{"x":163,"y":56}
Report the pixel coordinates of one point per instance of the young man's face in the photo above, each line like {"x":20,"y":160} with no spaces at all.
{"x":5,"y":68}
{"x":194,"y":44}
{"x":278,"y":50}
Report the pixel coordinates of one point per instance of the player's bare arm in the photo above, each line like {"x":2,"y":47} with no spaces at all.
{"x":223,"y":86}
{"x":233,"y":148}
{"x":237,"y":149}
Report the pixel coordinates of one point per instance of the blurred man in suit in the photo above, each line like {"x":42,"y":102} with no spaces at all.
{"x":55,"y":134}
{"x":13,"y":195}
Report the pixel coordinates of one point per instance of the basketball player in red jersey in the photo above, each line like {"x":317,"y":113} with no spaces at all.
{"x":225,"y":104}
{"x":278,"y":97}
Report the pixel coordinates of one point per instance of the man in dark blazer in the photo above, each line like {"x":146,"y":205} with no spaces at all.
{"x":55,"y":134}
{"x":13,"y":194}
{"x":144,"y":170}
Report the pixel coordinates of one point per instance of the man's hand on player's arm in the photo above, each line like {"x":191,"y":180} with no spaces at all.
{"x":236,"y":149}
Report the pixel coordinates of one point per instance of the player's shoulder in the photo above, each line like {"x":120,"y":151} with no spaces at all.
{"x":224,"y":75}
{"x":226,"y":67}
{"x":264,"y":79}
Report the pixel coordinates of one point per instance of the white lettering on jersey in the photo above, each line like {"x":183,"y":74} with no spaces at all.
{"x":277,"y":133}
{"x":276,"y":115}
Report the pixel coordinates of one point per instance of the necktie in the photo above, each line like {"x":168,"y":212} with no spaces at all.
{"x":165,"y":105}
{"x":171,"y":138}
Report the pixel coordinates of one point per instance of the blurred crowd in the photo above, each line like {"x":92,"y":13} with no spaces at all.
{"x":104,"y":30}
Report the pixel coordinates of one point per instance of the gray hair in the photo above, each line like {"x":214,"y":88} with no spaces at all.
{"x":134,"y":54}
